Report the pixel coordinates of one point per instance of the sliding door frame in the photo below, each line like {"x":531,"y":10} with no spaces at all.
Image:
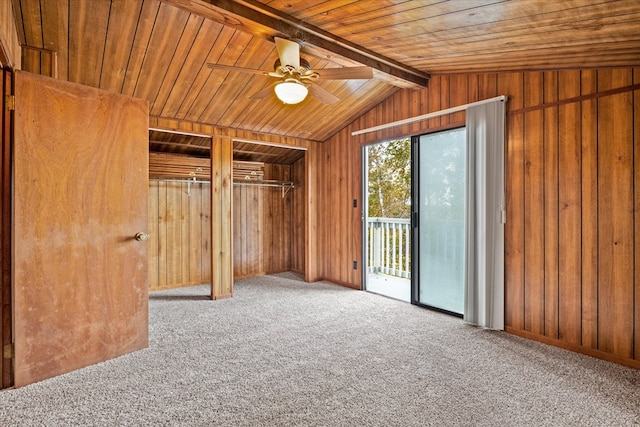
{"x":415,"y":221}
{"x":364,"y":214}
{"x":415,"y":212}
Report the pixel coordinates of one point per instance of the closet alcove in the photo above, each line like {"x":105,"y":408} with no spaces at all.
{"x":268,"y":209}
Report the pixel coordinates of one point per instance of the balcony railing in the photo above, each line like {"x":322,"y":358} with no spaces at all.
{"x":389,"y":246}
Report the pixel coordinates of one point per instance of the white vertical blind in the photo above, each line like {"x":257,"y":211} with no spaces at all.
{"x":484,"y":225}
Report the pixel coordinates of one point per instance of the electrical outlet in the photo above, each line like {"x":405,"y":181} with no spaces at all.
{"x":355,"y":203}
{"x":355,"y":265}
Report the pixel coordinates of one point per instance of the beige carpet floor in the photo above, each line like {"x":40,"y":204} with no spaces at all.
{"x":287,"y":353}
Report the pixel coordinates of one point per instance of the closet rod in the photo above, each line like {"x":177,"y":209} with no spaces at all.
{"x":286,"y":186}
{"x":187,"y":181}
{"x":267,"y":184}
{"x":258,"y":183}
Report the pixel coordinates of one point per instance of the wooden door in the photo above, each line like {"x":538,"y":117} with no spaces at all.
{"x":80,"y":196}
{"x":6,"y":367}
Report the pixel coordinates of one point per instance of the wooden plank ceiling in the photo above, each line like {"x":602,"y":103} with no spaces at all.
{"x":158,"y":50}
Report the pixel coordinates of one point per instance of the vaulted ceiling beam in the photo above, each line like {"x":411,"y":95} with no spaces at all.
{"x":261,"y":20}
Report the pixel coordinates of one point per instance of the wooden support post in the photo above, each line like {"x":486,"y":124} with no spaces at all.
{"x":221,"y":218}
{"x":311,"y":218}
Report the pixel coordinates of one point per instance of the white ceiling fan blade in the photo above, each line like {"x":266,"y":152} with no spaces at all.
{"x":288,"y":51}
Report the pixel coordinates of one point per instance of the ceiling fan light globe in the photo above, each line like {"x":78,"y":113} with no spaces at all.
{"x":291,"y":92}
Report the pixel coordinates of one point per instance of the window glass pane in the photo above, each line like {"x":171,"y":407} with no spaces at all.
{"x":441,"y":219}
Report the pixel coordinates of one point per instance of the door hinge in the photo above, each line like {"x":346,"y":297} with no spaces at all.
{"x":8,"y":351}
{"x":10,"y":102}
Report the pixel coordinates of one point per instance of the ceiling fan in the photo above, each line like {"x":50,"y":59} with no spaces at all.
{"x":296,"y":76}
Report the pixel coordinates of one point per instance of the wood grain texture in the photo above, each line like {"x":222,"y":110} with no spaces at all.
{"x":303,"y":241}
{"x":87,"y":52}
{"x":221,"y":211}
{"x":636,"y":163}
{"x":179,"y":234}
{"x":250,"y":227}
{"x":154,"y":233}
{"x":551,"y":205}
{"x":569,"y":219}
{"x":309,"y":190}
{"x":6,"y":335}
{"x":572,"y":200}
{"x":56,"y":34}
{"x":354,"y":189}
{"x":277,"y":231}
{"x":615,"y":216}
{"x":80,"y":196}
{"x":166,"y":166}
{"x":120,"y":36}
{"x":159,"y":51}
{"x":514,"y":229}
{"x":207,"y":267}
{"x":269,"y":225}
{"x":298,"y":217}
{"x":312,"y":196}
{"x":10,"y":51}
{"x":534,"y":207}
{"x":162,"y":238}
{"x":174,"y":227}
{"x":589,"y":206}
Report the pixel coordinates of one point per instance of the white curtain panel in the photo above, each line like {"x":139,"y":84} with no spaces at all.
{"x":485,"y":213}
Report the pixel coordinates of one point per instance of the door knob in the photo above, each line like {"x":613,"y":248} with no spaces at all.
{"x":141,"y":237}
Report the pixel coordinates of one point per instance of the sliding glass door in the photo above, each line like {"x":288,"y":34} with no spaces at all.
{"x":386,"y":221}
{"x":438,"y":204}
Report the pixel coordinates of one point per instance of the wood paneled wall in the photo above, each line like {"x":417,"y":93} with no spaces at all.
{"x":10,"y":51}
{"x":180,"y":234}
{"x":267,"y":236}
{"x":305,"y":203}
{"x":298,"y":215}
{"x":340,"y":223}
{"x":266,"y":232}
{"x":278,"y":219}
{"x":303,"y":255}
{"x":248,"y":231}
{"x":572,"y":249}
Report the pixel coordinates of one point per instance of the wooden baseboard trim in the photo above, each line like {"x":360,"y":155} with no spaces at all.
{"x":265,"y":273}
{"x":341,"y":283}
{"x":247,"y":276}
{"x":598,"y":354}
{"x":178,"y":285}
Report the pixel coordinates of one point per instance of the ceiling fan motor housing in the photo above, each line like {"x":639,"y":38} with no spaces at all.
{"x":288,"y":69}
